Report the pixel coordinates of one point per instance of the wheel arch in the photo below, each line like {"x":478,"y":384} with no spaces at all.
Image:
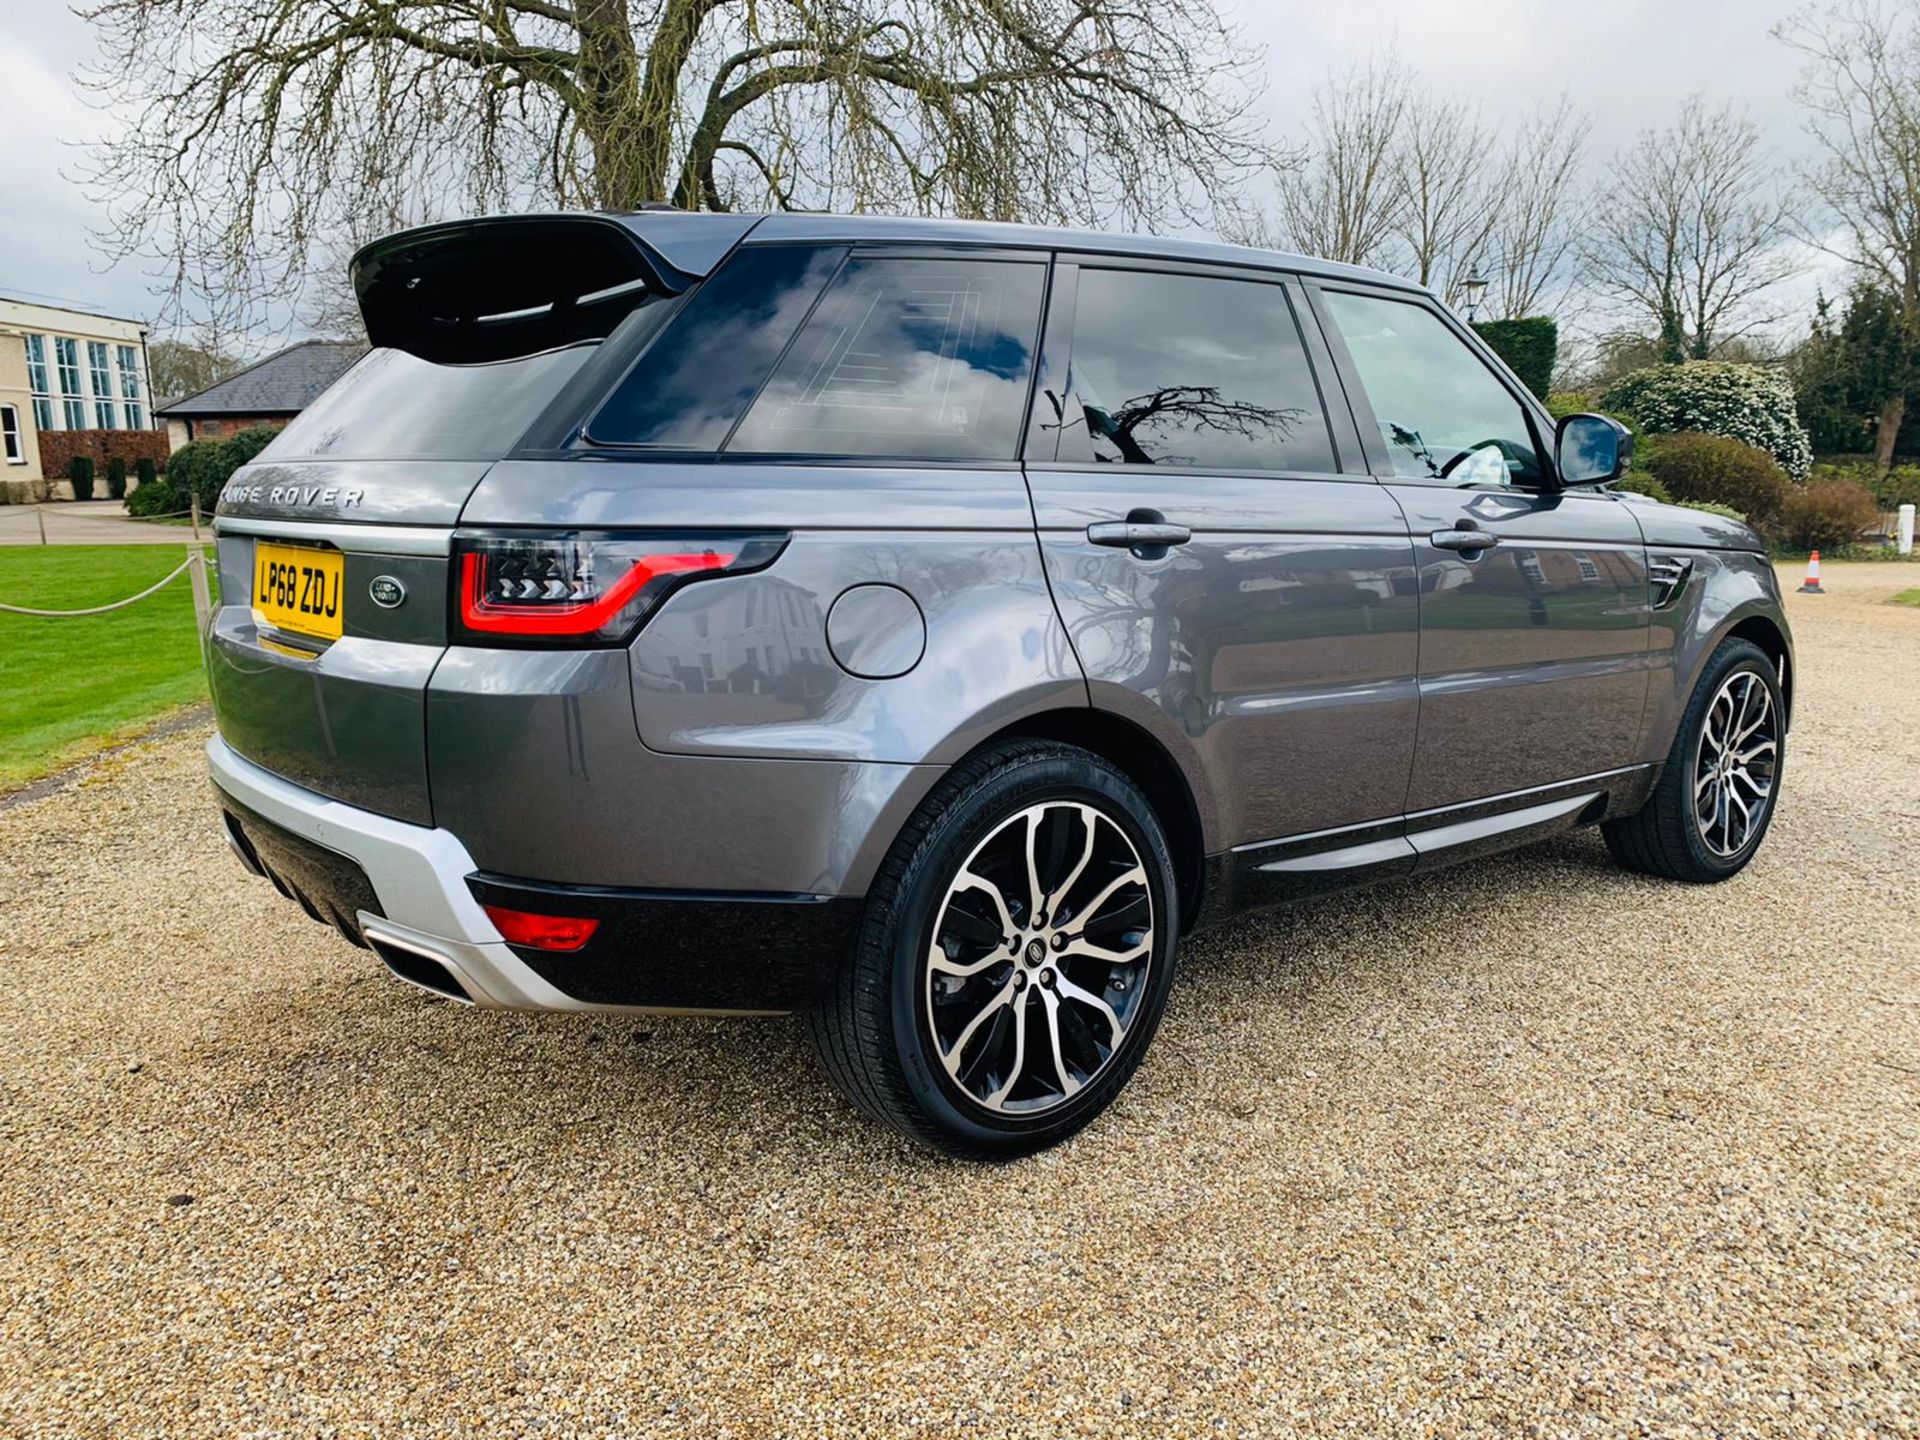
{"x":1145,"y":761}
{"x":1760,"y":629}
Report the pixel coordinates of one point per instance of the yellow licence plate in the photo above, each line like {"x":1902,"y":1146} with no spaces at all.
{"x":298,"y":589}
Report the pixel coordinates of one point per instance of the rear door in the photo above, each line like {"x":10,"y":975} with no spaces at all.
{"x":1263,"y":624}
{"x":1534,"y":600}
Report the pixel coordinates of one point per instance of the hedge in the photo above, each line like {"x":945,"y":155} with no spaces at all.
{"x":59,"y":447}
{"x":1529,"y":347}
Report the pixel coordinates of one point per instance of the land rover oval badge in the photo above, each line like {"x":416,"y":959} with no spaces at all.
{"x":387,"y":592}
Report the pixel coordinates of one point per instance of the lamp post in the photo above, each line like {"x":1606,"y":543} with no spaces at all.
{"x":1475,"y":285}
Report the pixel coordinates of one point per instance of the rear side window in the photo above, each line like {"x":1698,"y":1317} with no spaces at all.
{"x":393,"y":405}
{"x":913,"y":358}
{"x":691,"y":385}
{"x":1195,"y":372}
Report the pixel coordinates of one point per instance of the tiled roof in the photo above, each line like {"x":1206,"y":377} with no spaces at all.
{"x":284,"y":383}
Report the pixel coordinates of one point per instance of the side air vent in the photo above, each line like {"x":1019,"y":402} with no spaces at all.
{"x":1669,"y":574}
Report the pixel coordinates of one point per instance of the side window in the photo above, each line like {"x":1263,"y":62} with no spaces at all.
{"x":10,"y":436}
{"x":914,"y":358}
{"x":1192,"y":371}
{"x":1442,"y":413}
{"x":689,"y":387}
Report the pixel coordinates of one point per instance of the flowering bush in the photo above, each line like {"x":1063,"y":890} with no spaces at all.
{"x":1742,"y":402}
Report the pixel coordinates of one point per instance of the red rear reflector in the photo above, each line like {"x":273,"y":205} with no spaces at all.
{"x":541,"y":932}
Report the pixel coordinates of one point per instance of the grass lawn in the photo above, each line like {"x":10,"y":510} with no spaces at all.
{"x":1907,"y":597}
{"x":68,"y":687}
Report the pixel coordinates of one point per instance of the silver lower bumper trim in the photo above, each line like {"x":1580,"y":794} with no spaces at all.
{"x":419,"y":875}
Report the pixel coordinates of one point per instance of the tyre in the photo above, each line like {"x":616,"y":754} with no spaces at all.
{"x":1714,"y":800}
{"x":1014,"y":959}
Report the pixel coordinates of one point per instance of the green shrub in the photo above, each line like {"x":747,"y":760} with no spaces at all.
{"x":156,"y":497}
{"x":116,"y":477}
{"x":1562,"y":403}
{"x":144,"y":472}
{"x":203,"y":467}
{"x":1641,"y":483}
{"x":1751,"y":403}
{"x":80,"y":472}
{"x":244,"y":445}
{"x":1529,"y":347}
{"x":1716,"y":470}
{"x":1827,"y":514}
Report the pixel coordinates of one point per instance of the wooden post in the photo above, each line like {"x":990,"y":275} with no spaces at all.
{"x":40,"y":514}
{"x":197,"y":576}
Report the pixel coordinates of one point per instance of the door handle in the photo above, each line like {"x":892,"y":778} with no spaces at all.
{"x":1138,"y":534}
{"x":1463,"y":540}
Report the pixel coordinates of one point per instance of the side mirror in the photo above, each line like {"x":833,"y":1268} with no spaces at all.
{"x":1591,"y":450}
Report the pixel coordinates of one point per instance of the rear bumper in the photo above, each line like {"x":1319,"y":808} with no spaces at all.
{"x":412,"y":894}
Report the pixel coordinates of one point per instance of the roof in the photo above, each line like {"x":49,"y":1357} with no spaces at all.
{"x":72,"y":310}
{"x":910,"y":230}
{"x":694,"y":242}
{"x":284,"y":383}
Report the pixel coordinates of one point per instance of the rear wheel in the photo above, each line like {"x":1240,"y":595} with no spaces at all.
{"x":1715,"y":797}
{"x":1015,"y":956}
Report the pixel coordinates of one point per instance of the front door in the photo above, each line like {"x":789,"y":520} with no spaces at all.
{"x":1261,"y":615}
{"x":1534,"y":601}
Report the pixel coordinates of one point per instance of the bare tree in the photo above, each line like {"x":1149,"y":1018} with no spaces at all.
{"x":1691,"y":233}
{"x":1451,"y":188}
{"x":1537,"y":226}
{"x":181,"y":365}
{"x":1861,"y":89}
{"x":1342,"y":202}
{"x":260,"y":127}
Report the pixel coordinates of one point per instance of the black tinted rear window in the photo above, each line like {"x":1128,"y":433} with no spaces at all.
{"x":906,"y":357}
{"x":690,"y":386}
{"x":393,"y":405}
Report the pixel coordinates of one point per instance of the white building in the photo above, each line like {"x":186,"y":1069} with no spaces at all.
{"x":66,"y":370}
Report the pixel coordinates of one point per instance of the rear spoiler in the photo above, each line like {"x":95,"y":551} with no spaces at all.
{"x":491,"y":289}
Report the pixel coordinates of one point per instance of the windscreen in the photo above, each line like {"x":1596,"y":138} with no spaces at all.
{"x":393,"y":405}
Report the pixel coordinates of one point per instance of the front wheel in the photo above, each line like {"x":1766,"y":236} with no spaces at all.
{"x":1714,"y":800}
{"x":1015,"y":956}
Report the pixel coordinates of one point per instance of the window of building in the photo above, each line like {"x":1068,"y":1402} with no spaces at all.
{"x":1194,"y":372}
{"x":129,"y":362}
{"x":66,"y":354}
{"x":908,"y":358}
{"x":11,"y":445}
{"x":38,"y":381}
{"x":105,"y":413}
{"x":1440,"y":410}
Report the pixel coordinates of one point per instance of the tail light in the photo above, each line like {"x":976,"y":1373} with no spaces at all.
{"x":584,"y":587}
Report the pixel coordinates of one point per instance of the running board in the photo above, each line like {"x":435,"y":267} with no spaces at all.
{"x":1431,"y":842}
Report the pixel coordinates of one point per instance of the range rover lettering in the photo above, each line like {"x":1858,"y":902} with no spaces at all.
{"x":920,"y":626}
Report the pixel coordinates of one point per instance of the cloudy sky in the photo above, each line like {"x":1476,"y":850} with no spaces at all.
{"x":1628,"y":62}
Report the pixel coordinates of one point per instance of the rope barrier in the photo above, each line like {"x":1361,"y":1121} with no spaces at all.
{"x":24,"y":511}
{"x":102,"y":609}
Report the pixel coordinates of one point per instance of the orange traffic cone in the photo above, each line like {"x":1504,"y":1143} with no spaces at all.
{"x":1812,"y":585}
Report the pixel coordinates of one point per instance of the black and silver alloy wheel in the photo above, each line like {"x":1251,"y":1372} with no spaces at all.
{"x":1714,"y":798}
{"x":1014,"y":958}
{"x":1039,"y":958}
{"x":1734,"y":764}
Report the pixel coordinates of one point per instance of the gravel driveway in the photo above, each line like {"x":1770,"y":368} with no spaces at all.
{"x":1530,"y":1147}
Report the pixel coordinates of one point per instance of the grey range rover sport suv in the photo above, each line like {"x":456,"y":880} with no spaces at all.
{"x":920,"y":626}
